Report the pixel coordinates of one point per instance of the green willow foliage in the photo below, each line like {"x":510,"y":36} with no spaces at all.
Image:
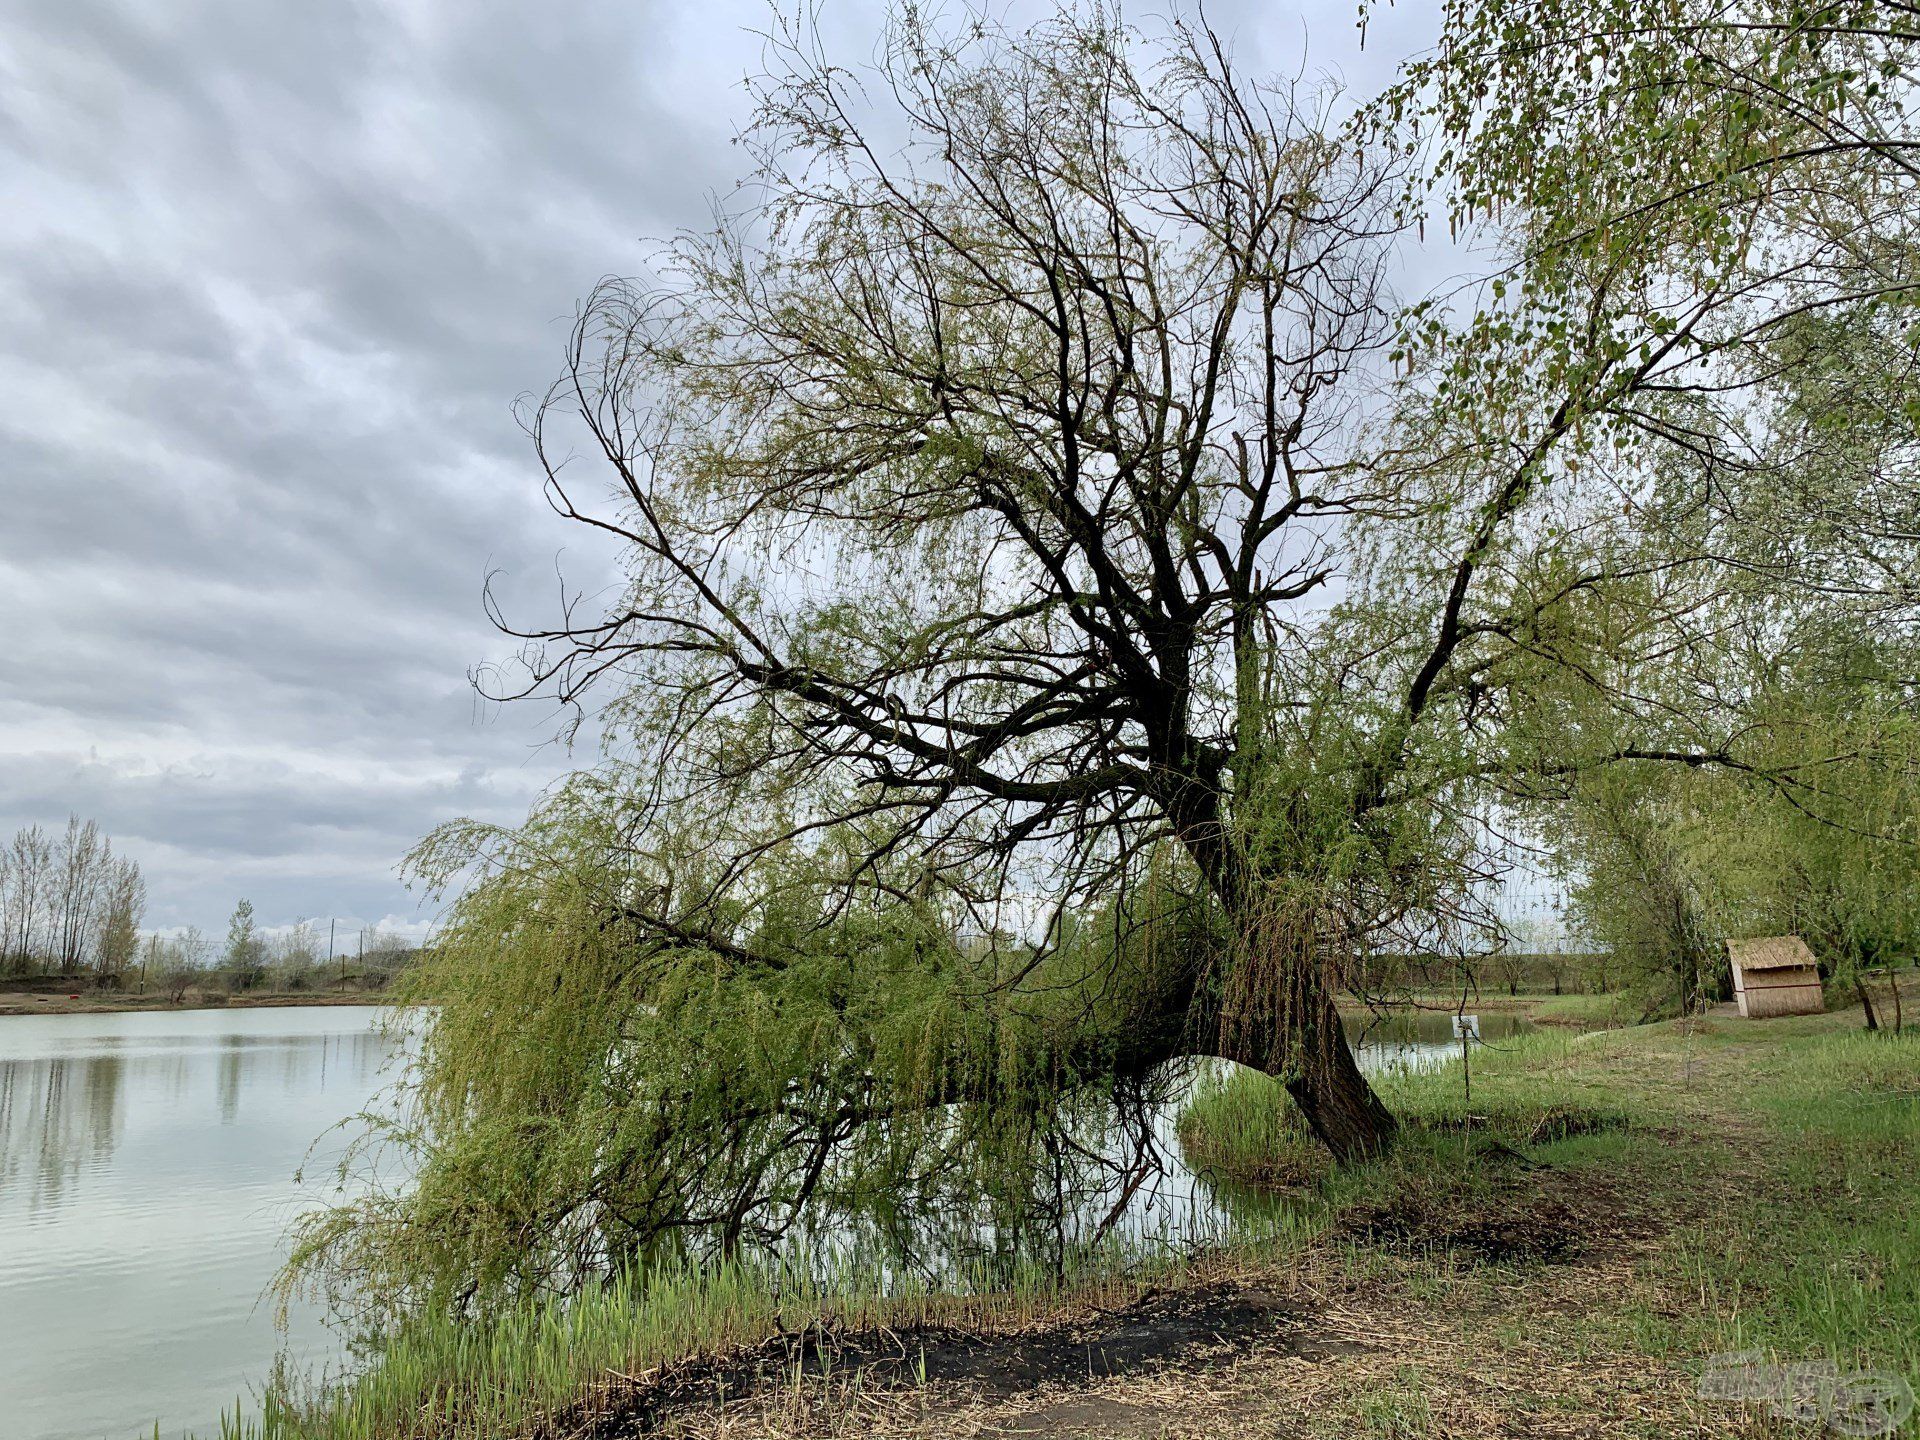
{"x":1738,"y":182}
{"x":1819,"y":834}
{"x":586,"y":1097}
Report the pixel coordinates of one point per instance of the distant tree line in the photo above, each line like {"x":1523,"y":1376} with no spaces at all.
{"x":68,"y":903}
{"x":298,"y":958}
{"x":295,"y":959}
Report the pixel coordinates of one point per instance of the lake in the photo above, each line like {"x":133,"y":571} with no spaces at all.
{"x":146,"y":1184}
{"x":147,"y":1167}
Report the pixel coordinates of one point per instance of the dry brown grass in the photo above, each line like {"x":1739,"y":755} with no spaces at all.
{"x":1439,"y":1314}
{"x":1394,"y":1355}
{"x":1378,"y":1343}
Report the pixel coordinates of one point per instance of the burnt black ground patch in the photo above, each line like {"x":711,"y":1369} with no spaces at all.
{"x":1520,"y":1230}
{"x":1160,"y":1330}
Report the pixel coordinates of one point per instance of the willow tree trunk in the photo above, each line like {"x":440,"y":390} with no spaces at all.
{"x":1277,"y":1015}
{"x":1273,"y":1007}
{"x":1339,"y":1104}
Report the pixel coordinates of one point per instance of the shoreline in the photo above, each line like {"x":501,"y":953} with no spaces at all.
{"x":1577,"y":1010}
{"x":1450,"y":1288}
{"x":106,"y":1002}
{"x":109,"y":1002}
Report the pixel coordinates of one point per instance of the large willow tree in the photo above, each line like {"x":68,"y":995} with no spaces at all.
{"x":983,"y":488}
{"x":1072,"y":616}
{"x":1013,"y":487}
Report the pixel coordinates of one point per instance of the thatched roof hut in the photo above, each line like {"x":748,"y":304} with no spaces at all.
{"x":1774,"y":975}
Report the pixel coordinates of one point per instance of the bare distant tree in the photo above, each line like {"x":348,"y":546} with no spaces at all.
{"x":80,"y":866}
{"x":173,"y":964}
{"x":123,"y":902}
{"x":23,"y":900}
{"x":246,"y":951}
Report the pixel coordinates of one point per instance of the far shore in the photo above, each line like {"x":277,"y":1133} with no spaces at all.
{"x":1541,"y":1008}
{"x":108,"y":1002}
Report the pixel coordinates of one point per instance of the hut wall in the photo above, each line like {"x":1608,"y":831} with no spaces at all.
{"x":1787,"y":991}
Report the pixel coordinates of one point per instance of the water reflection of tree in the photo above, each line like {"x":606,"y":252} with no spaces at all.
{"x":232,"y":1068}
{"x":63,"y":1116}
{"x":11,"y":1084}
{"x":1038,"y":1196}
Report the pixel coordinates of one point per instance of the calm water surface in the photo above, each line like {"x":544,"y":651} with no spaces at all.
{"x":1181,"y":1208}
{"x":147,"y":1166}
{"x":147,"y":1169}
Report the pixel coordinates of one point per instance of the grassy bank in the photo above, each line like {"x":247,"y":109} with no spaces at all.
{"x":550,"y":1370}
{"x":1557,"y":1256}
{"x":110,"y":1002}
{"x":1750,"y":1186}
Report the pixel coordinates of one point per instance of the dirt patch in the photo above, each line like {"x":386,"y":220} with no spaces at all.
{"x":1163,"y":1330}
{"x":1080,"y":1415}
{"x":1527,"y":1215}
{"x":1544,"y":1232}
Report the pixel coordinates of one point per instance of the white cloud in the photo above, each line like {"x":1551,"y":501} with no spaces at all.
{"x":270,"y":280}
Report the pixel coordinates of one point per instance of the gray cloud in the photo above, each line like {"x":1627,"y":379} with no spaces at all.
{"x":271,"y":276}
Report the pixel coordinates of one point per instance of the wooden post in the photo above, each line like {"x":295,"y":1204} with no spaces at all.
{"x":1866,"y":1000}
{"x":1467,"y":1029}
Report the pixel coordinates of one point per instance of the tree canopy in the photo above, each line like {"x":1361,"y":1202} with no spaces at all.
{"x":1077,"y":617}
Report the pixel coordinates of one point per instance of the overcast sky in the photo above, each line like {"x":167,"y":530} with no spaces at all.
{"x":272,"y":273}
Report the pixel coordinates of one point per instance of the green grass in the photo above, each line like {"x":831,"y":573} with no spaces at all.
{"x":1398,"y":1410}
{"x":1782,"y":1156}
{"x":1243,"y":1128}
{"x":1590,"y":1010}
{"x":1829,"y":1267}
{"x":1785,"y":1153}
